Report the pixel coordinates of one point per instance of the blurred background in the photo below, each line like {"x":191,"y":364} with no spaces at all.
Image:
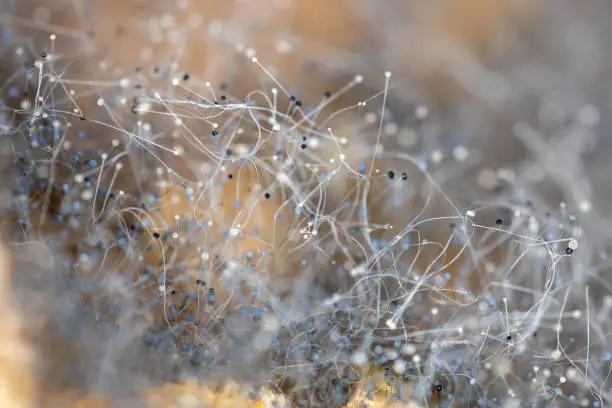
{"x":489,"y":62}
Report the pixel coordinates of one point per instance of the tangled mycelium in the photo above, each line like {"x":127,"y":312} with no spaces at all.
{"x":197,"y":212}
